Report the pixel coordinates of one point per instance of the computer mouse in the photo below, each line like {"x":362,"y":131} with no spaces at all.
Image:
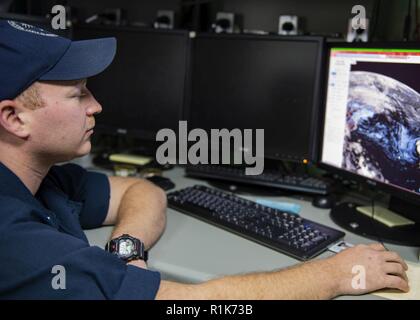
{"x":161,"y":182}
{"x":323,"y":202}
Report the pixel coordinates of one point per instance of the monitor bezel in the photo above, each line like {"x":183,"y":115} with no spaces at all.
{"x":316,"y":101}
{"x":386,"y":188}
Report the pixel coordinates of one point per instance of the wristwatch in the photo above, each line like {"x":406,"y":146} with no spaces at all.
{"x":127,"y":248}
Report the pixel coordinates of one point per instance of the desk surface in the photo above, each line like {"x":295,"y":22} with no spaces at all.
{"x":193,"y":251}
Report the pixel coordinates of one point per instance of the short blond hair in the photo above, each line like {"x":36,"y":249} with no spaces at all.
{"x":31,"y":97}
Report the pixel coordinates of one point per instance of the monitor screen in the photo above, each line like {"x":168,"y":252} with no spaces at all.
{"x":258,"y":82}
{"x":143,"y":89}
{"x":372,"y":120}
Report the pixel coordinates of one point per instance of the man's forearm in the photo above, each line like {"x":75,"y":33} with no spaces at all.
{"x":142,"y":213}
{"x":313,"y":280}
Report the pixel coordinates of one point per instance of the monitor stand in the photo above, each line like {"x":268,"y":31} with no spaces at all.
{"x":403,"y":232}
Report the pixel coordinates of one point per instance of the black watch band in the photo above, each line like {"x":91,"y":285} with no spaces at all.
{"x":127,"y":248}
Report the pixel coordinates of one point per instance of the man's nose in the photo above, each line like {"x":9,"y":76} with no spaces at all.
{"x":94,"y":108}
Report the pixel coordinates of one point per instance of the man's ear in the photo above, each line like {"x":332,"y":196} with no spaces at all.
{"x":11,"y":118}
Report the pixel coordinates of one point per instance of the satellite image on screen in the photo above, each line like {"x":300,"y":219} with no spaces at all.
{"x":382,"y":138}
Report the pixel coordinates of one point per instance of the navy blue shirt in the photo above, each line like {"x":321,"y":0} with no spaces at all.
{"x":46,"y":230}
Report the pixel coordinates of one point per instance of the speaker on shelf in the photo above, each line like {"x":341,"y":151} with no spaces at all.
{"x":165,"y":19}
{"x":225,"y":22}
{"x":359,"y":34}
{"x":288,"y":25}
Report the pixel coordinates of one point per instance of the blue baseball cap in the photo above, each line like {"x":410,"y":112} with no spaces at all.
{"x":29,"y":54}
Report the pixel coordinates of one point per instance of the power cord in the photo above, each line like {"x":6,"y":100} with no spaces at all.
{"x":416,"y":34}
{"x":376,"y":234}
{"x":375,"y":18}
{"x":407,"y":23}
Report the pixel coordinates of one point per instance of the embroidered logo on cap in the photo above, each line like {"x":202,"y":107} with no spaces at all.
{"x":30,"y":28}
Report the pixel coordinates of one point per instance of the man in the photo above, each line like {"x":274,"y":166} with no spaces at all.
{"x":47,"y":117}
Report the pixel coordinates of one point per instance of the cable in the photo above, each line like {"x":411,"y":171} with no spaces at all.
{"x":28,"y":7}
{"x":375,"y":18}
{"x":407,"y":23}
{"x":284,"y":167}
{"x":376,"y":234}
{"x":416,"y":34}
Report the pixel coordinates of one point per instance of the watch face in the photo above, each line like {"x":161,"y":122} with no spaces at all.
{"x":126,"y":247}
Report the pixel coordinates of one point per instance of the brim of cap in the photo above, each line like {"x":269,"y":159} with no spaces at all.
{"x":83,"y":59}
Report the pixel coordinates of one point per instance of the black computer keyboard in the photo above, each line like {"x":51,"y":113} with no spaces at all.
{"x":281,"y":231}
{"x":274,"y":179}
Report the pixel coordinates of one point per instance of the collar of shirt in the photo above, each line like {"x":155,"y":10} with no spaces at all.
{"x":51,"y":205}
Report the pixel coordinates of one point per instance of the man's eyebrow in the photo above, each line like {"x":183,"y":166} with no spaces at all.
{"x":81,"y":82}
{"x":78,"y":85}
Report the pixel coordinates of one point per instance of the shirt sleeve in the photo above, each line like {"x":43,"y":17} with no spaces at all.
{"x":44,"y":263}
{"x":92,"y":189}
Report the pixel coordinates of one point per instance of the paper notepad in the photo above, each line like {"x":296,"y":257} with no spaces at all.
{"x":413,"y":274}
{"x":130,"y":159}
{"x":385,"y":216}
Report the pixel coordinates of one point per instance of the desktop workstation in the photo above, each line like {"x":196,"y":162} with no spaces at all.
{"x":193,"y":251}
{"x":346,"y":144}
{"x":279,"y":85}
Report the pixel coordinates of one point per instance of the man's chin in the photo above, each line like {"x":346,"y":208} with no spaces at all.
{"x":81,"y":152}
{"x":84,"y":150}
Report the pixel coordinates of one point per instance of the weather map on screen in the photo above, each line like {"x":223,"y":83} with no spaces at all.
{"x":372,"y":125}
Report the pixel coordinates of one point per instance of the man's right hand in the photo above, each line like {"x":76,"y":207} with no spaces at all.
{"x":382,"y":269}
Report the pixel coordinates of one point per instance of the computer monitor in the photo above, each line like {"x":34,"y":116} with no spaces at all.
{"x":259,"y":82}
{"x":143,"y":89}
{"x":372,"y":131}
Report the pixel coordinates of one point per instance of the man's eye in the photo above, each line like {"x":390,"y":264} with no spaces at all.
{"x":80,"y":95}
